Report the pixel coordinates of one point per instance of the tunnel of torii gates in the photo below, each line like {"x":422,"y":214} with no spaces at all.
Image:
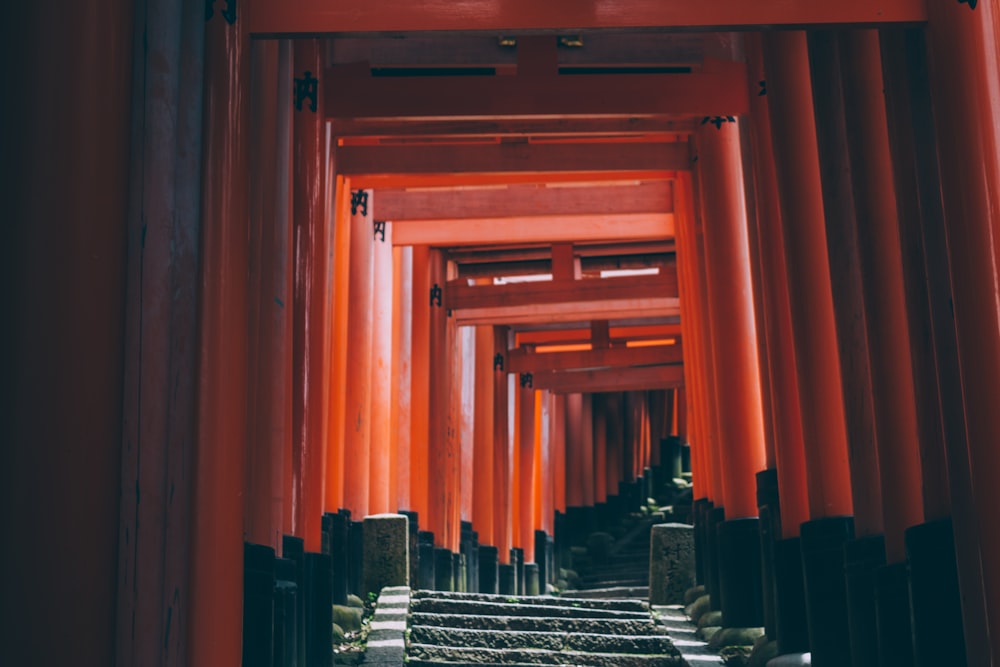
{"x":477,"y":261}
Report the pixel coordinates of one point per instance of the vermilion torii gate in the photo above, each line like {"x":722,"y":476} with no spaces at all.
{"x":212,"y":341}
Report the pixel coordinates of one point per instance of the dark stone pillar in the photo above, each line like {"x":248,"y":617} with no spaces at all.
{"x":892,"y":603}
{"x":356,"y":557}
{"x":790,"y":597}
{"x":473,"y":563}
{"x":740,"y":573}
{"x":531,"y":579}
{"x":426,"y":577}
{"x":319,"y":611}
{"x":339,"y":527}
{"x":714,"y":587}
{"x":769,"y":512}
{"x":862,"y":557}
{"x":702,"y":509}
{"x":293,"y":548}
{"x":465,"y":548}
{"x":507,"y":578}
{"x":258,"y":605}
{"x":458,"y":572}
{"x":286,"y":620}
{"x":444,"y":566}
{"x":489,"y":575}
{"x":938,"y":633}
{"x":541,"y":556}
{"x":414,"y":533}
{"x":826,"y":591}
{"x":517,"y":557}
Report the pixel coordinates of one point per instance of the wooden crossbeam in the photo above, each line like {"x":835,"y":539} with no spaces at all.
{"x":535,"y":229}
{"x":579,"y":312}
{"x":284,"y":17}
{"x":583,"y":334}
{"x":630,"y":126}
{"x":525,"y":200}
{"x":654,"y":160}
{"x":721,"y":89}
{"x":459,"y":295}
{"x":523,"y":361}
{"x":636,"y":378}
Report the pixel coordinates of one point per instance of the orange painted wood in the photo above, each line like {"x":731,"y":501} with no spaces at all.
{"x":810,"y":296}
{"x":615,"y":442}
{"x":403,"y":360}
{"x":848,"y":301}
{"x":335,"y":460}
{"x":964,"y":83}
{"x":215,"y":612}
{"x":545,"y":483}
{"x":537,"y":229}
{"x":600,"y":448}
{"x":395,"y":388}
{"x":616,"y":334}
{"x":380,"y":500}
{"x":659,"y":127}
{"x":717,"y":89}
{"x":574,"y":438}
{"x":571,"y":312}
{"x":526,"y":470}
{"x":502,"y":470}
{"x":442,"y":453}
{"x":557,"y":424}
{"x":585,"y":450}
{"x":380,"y":180}
{"x":731,"y":310}
{"x":498,"y":16}
{"x":464,"y":296}
{"x":785,"y":411}
{"x":358,"y":411}
{"x":885,"y":302}
{"x":420,"y":385}
{"x":611,"y":379}
{"x":536,"y":159}
{"x":523,"y":200}
{"x":515,"y":463}
{"x":483,"y":496}
{"x":309,"y":182}
{"x":522,"y":361}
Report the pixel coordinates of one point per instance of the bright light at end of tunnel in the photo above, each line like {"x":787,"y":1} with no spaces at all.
{"x":625,"y":273}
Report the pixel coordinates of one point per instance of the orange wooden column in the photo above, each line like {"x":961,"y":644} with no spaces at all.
{"x":586,"y":451}
{"x":615,"y":442}
{"x":380,"y":463}
{"x":809,"y":289}
{"x":309,"y":296}
{"x":443,"y":446}
{"x":501,"y":447}
{"x":215,"y":621}
{"x":776,"y":313}
{"x":962,"y":57}
{"x":845,"y":273}
{"x":420,"y":386}
{"x":885,"y":302}
{"x":558,"y":425}
{"x":402,"y":345}
{"x":600,"y":448}
{"x":339,"y":336}
{"x":483,"y":497}
{"x":466,"y":421}
{"x":544,"y":473}
{"x":526,"y":466}
{"x":357,"y":411}
{"x":574,"y":447}
{"x":731,"y":311}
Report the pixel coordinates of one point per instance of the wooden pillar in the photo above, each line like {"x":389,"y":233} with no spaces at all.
{"x":357,"y":426}
{"x":615,"y":442}
{"x":731,"y":311}
{"x":339,"y":336}
{"x":845,"y":273}
{"x":526,"y":461}
{"x":466,"y":423}
{"x":806,"y":261}
{"x":483,"y":496}
{"x":586,"y":451}
{"x":443,"y":452}
{"x":309,"y":182}
{"x":574,"y":450}
{"x":420,"y":385}
{"x":885,"y":303}
{"x":558,"y":456}
{"x":402,"y":396}
{"x":380,"y":464}
{"x":600,"y":448}
{"x":501,"y":449}
{"x":962,"y":55}
{"x":216,"y":618}
{"x":545,"y":501}
{"x":775,"y":311}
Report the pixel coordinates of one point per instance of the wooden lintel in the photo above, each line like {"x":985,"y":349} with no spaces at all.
{"x":462,"y":296}
{"x":652,"y":128}
{"x":477,"y":179}
{"x":636,"y":378}
{"x":535,"y":229}
{"x":287,"y":17}
{"x":590,"y":266}
{"x":580,"y":312}
{"x":523,"y":361}
{"x":615,"y":334}
{"x":720,"y":89}
{"x":656,"y":160}
{"x":523,"y":200}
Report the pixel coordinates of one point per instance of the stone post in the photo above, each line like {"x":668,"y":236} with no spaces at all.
{"x":386,"y":551}
{"x":671,"y":562}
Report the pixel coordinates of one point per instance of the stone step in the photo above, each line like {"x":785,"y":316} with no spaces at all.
{"x":519,"y":623}
{"x":615,"y":605}
{"x":474,"y":607}
{"x":654,"y":643}
{"x":478,"y":656}
{"x":615,"y":583}
{"x":616,"y":593}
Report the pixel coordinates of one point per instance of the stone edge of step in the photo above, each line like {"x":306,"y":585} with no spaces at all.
{"x":386,"y":645}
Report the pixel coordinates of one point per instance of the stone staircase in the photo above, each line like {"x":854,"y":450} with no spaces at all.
{"x":475,"y":629}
